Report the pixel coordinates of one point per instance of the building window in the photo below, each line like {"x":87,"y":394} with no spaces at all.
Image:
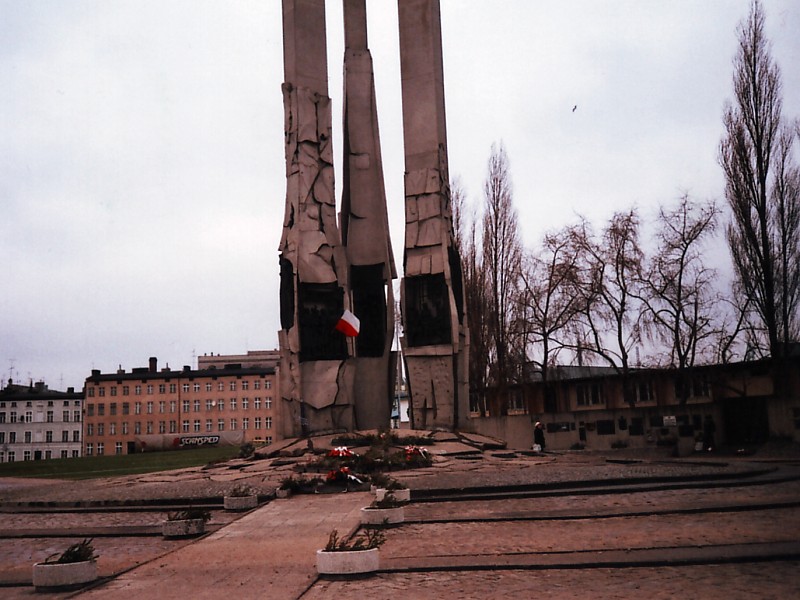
{"x":101,"y":409}
{"x":221,"y":425}
{"x":101,"y":429}
{"x":100,"y":448}
{"x":101,"y":391}
{"x":162,"y":427}
{"x":2,"y":417}
{"x":26,"y":455}
{"x":268,"y":439}
{"x":257,"y":403}
{"x":257,"y":423}
{"x":209,"y":404}
{"x":137,"y":390}
{"x":65,"y":416}
{"x":185,"y":406}
{"x":65,"y":436}
{"x":245,"y":423}
{"x":257,"y":384}
{"x":126,"y":390}
{"x":118,"y":448}
{"x":13,"y":415}
{"x":137,"y":428}
{"x":245,"y":403}
{"x":89,"y":429}
{"x":63,"y":454}
{"x":233,"y":386}
{"x":149,"y":427}
{"x":185,"y":426}
{"x":173,"y":406}
{"x":112,"y":429}
{"x":233,"y":403}
{"x":221,"y":404}
{"x":162,"y":406}
{"x":162,"y":388}
{"x":268,"y":402}
{"x":244,"y":385}
{"x":27,"y":437}
{"x":49,"y":416}
{"x":76,"y":416}
{"x":48,"y":454}
{"x":112,"y":409}
{"x":197,"y":425}
{"x":150,"y":389}
{"x":48,"y":437}
{"x":124,"y":428}
{"x":268,"y":422}
{"x":90,"y":392}
{"x":74,"y":454}
{"x":137,"y":408}
{"x":589,"y":394}
{"x":126,"y":408}
{"x":267,"y":385}
{"x":113,"y":390}
{"x":173,"y":426}
{"x":196,"y":387}
{"x":221,"y":386}
{"x":185,"y":388}
{"x":209,"y":425}
{"x":233,"y":424}
{"x":29,"y":416}
{"x":208,"y":386}
{"x":150,"y":407}
{"x":12,"y":437}
{"x":89,"y":449}
{"x":196,"y":405}
{"x":173,"y":388}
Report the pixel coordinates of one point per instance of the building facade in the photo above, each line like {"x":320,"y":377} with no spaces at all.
{"x":150,"y":409}
{"x":37,"y":423}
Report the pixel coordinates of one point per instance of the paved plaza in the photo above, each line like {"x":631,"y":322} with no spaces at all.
{"x":482,"y":524}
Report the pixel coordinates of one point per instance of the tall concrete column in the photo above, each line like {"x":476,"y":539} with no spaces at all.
{"x":316,"y":378}
{"x":435,"y":342}
{"x":365,"y":228}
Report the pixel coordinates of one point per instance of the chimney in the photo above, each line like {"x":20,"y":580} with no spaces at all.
{"x":153,"y":364}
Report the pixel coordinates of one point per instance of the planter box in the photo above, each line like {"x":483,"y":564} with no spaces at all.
{"x":348,"y":563}
{"x":279,"y":493}
{"x":48,"y":576}
{"x":377,"y":516}
{"x":240,"y":502}
{"x":183,"y":528}
{"x":403,"y":495}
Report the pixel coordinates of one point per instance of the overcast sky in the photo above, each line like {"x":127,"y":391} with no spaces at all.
{"x":141,"y":149}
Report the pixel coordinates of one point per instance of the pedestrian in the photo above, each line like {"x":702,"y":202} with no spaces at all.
{"x":709,"y":429}
{"x":538,"y":437}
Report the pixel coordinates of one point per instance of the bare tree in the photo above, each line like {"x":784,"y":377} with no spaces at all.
{"x":475,"y":295}
{"x":549,"y":299}
{"x":502,"y":255}
{"x":762,"y":187}
{"x":611,"y":312}
{"x":678,"y":288}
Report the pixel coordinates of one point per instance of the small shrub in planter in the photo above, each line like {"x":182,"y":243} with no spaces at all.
{"x":385,"y":511}
{"x":185,"y":523}
{"x":241,"y":497}
{"x":347,"y":557}
{"x":397,"y":489}
{"x":76,"y":566}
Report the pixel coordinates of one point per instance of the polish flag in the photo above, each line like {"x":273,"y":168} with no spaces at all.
{"x":348,"y":324}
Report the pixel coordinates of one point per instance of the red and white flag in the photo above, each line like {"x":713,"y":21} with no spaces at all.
{"x":348,"y":324}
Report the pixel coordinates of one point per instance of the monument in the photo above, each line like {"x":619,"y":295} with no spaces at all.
{"x":435,"y":341}
{"x":330,"y":382}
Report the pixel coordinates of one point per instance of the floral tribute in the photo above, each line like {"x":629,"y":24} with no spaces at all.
{"x":341,"y":452}
{"x":342,"y":475}
{"x":416,"y":456}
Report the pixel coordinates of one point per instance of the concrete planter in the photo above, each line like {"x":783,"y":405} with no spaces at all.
{"x":51,"y":576}
{"x":183,"y":528}
{"x":377,"y":516}
{"x":240,"y":502}
{"x":279,"y":493}
{"x":348,"y":563}
{"x":403,"y":495}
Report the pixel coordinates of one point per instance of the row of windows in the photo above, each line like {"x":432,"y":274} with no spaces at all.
{"x":101,"y":448}
{"x":592,"y":393}
{"x":28,"y":437}
{"x":186,"y":406}
{"x":29,"y":403}
{"x":11,"y":456}
{"x":27,"y":417}
{"x":186,"y":426}
{"x":173,"y":388}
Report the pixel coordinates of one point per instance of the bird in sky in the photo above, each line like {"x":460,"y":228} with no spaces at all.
{"x":574,"y":108}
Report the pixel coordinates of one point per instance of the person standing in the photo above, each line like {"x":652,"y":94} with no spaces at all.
{"x":538,"y":436}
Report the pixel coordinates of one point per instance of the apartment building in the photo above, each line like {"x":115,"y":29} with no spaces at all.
{"x":37,"y":423}
{"x":149,"y":409}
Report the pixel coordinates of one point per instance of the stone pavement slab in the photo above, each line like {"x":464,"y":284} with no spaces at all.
{"x":268,"y":553}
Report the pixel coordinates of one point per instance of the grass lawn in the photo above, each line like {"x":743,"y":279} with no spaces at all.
{"x":90,"y":467}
